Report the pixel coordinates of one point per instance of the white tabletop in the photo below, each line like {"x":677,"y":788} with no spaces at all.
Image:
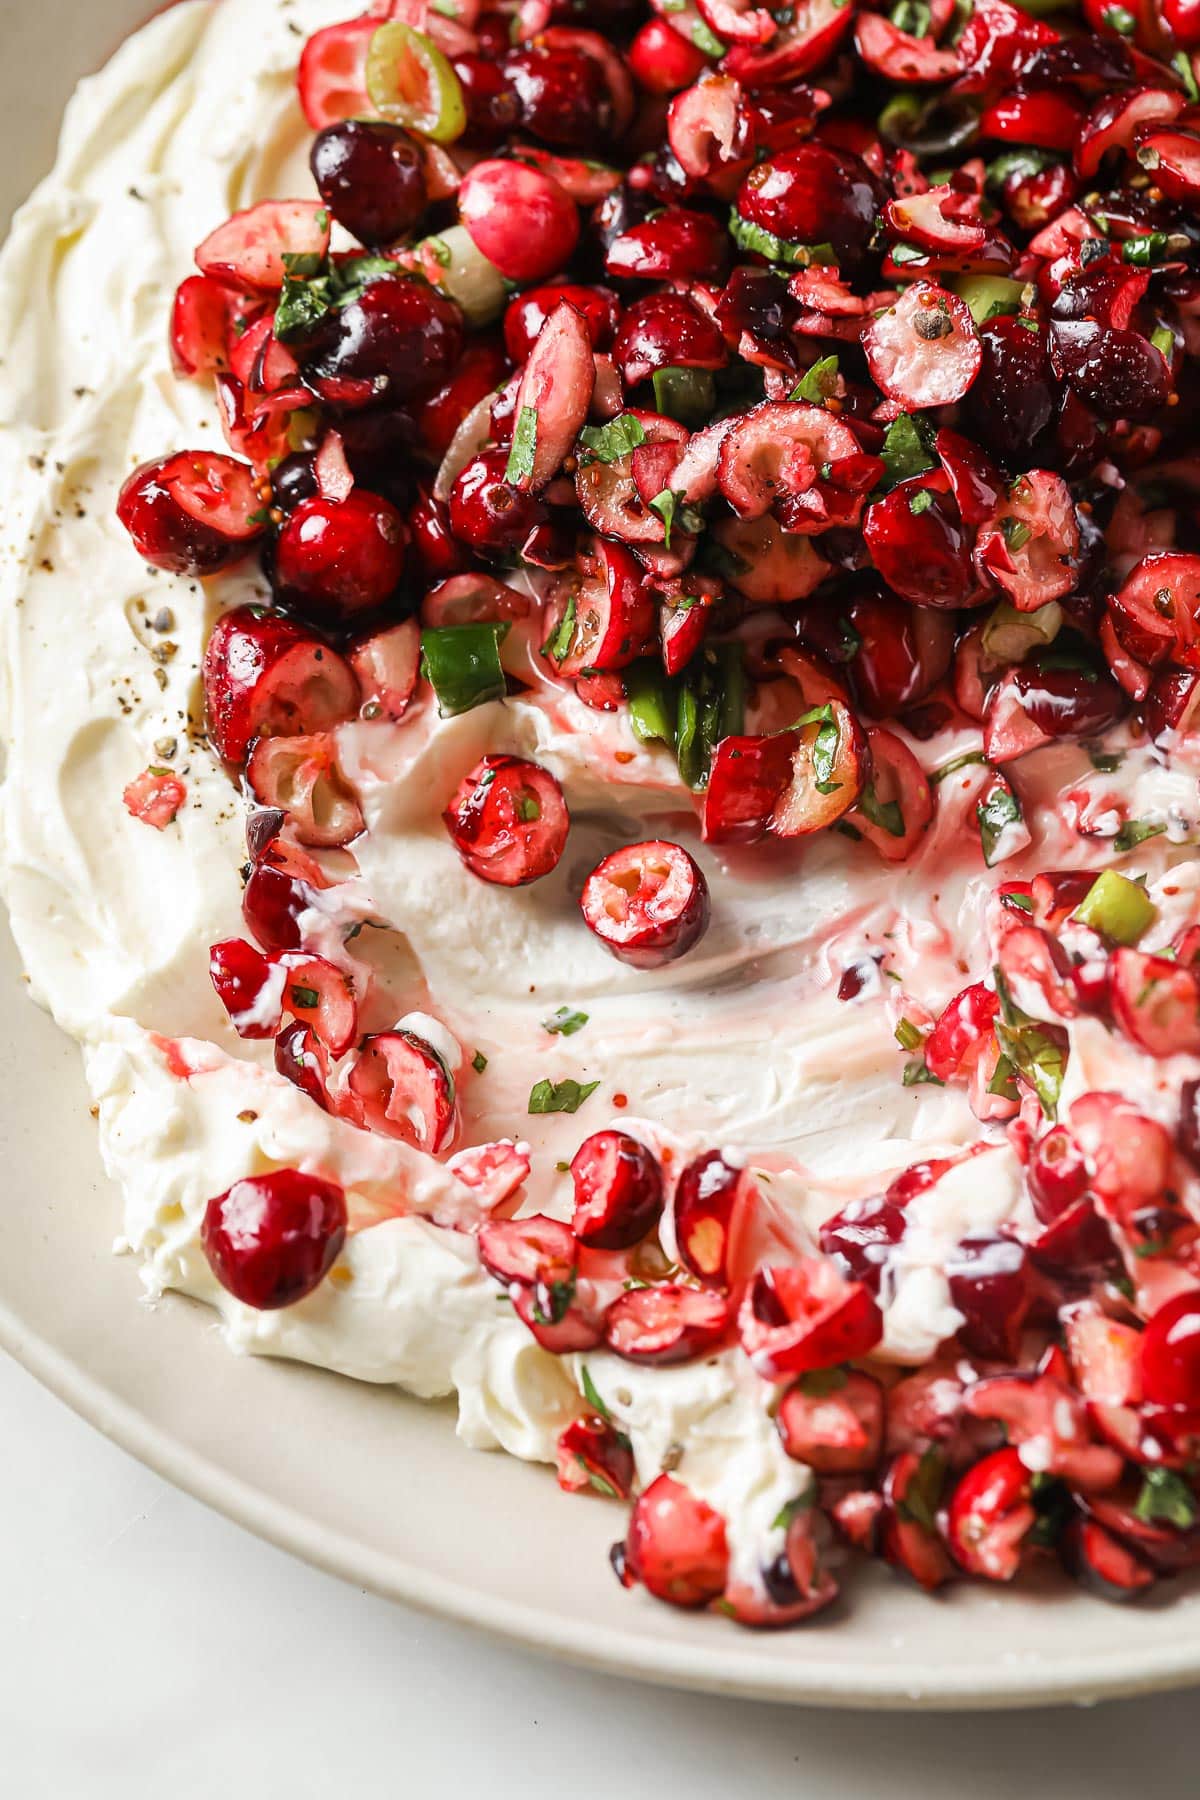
{"x":149,"y":1648}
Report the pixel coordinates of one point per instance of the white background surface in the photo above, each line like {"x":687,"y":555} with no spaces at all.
{"x":149,"y":1648}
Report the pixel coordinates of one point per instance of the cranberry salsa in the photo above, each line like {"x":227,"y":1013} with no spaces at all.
{"x":797,"y":406}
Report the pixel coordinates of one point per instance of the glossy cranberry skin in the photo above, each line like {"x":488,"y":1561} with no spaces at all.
{"x":1012,"y":401}
{"x":861,"y":1237}
{"x":662,"y":61}
{"x":597,"y":306}
{"x":647,"y":903}
{"x":1118,"y":373}
{"x":487,"y":511}
{"x":519,"y":218}
{"x":337,"y":559}
{"x":371,"y":176}
{"x":924,"y":556}
{"x":165,"y":533}
{"x":508,"y":821}
{"x":435,"y":550}
{"x":293,"y":480}
{"x":618,"y":1191}
{"x":666,"y":331}
{"x":563,"y":96}
{"x":1057,"y":1174}
{"x":1069,"y":703}
{"x":990,"y":1285}
{"x":271,"y":1239}
{"x":493,"y":106}
{"x":814,"y":195}
{"x":1170,"y":1353}
{"x":400,"y":340}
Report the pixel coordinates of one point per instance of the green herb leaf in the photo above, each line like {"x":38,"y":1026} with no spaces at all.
{"x":911,"y":17}
{"x":908,"y":1035}
{"x":905,"y":449}
{"x":1037,"y":1058}
{"x":1167,"y":1496}
{"x":462,"y":665}
{"x":1135,"y":832}
{"x":590,"y":1395}
{"x":1016,"y":532}
{"x":304,"y":997}
{"x":819,"y":384}
{"x":923,"y":1495}
{"x":955,"y":764}
{"x":759,"y":242}
{"x":918,"y":1074}
{"x":1119,"y":19}
{"x":1181,"y":62}
{"x":565,"y":1022}
{"x":558,"y":645}
{"x":886,"y":814}
{"x":996,"y":811}
{"x":479,"y":1062}
{"x":707,"y":41}
{"x":789,"y":1509}
{"x":524,"y":447}
{"x":616,"y":439}
{"x":560,"y":1096}
{"x":688,"y":395}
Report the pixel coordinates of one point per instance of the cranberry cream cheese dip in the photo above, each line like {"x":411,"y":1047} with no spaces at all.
{"x":602,"y":617}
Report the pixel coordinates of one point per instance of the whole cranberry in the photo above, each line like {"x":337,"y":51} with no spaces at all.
{"x":1170,"y":1353}
{"x":1068,"y":702}
{"x":1120,"y":374}
{"x":491,"y":100}
{"x":813,"y":195}
{"x":666,"y":331}
{"x":432,"y":543}
{"x":1012,"y":401}
{"x":336,"y":559}
{"x":520,"y":219}
{"x":563,"y":94}
{"x":598,"y":306}
{"x":662,"y":61}
{"x":397,"y":342}
{"x":293,"y":480}
{"x":861,"y":1237}
{"x":487,"y":511}
{"x":371,"y":176}
{"x":493,"y":31}
{"x":618,"y":1191}
{"x":271,"y":1239}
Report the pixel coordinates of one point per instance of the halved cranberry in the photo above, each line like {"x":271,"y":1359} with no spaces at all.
{"x":1129,"y":1154}
{"x":279,"y":891}
{"x":200,"y":326}
{"x":559,"y":1324}
{"x":1155,"y":1002}
{"x":556,"y":387}
{"x":771,"y":564}
{"x":925,"y":350}
{"x":896,"y":807}
{"x":474,"y":599}
{"x":899,"y":651}
{"x":781,"y":450}
{"x":519,"y":218}
{"x":833,"y":1422}
{"x":856,"y":1517}
{"x":805,"y":41}
{"x":319,"y":994}
{"x":337,"y":559}
{"x":618,"y":1191}
{"x":1173,"y":157}
{"x":860,"y":1238}
{"x":537,"y":1252}
{"x":387,"y":665}
{"x":991,"y":1515}
{"x":192,"y":513}
{"x":1156,"y":612}
{"x":301,"y":776}
{"x":990,"y":1284}
{"x":508,"y":821}
{"x":665,"y":1324}
{"x":371,"y":176}
{"x":676,"y":1545}
{"x":301,"y":1058}
{"x":961,"y":1033}
{"x":1048,"y":1419}
{"x":1057,"y":1173}
{"x":801,"y":1316}
{"x":908,"y":1534}
{"x":1030,"y":545}
{"x":271,"y":1239}
{"x":1077,"y":1246}
{"x":494,"y":1172}
{"x":1033,"y":706}
{"x":248,"y":987}
{"x":1119,"y":373}
{"x":1170,"y":1353}
{"x":1101,"y":1563}
{"x":404,"y":1090}
{"x":813,"y":195}
{"x":487,"y":511}
{"x":397,"y":341}
{"x":902,"y":56}
{"x":711,"y":1209}
{"x":747,"y":777}
{"x":918,"y":545}
{"x":248,"y":250}
{"x":829,"y":765}
{"x":332,"y":77}
{"x":610,"y":494}
{"x":265,"y":675}
{"x":1038,"y":972}
{"x":647,"y":903}
{"x":592,"y":1453}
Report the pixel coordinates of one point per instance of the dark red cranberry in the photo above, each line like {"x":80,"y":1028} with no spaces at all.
{"x":337,"y":559}
{"x":397,"y":342}
{"x":293,"y":480}
{"x":494,"y":33}
{"x":894,"y":652}
{"x":192,"y":513}
{"x":1170,"y":1353}
{"x":597,"y":306}
{"x":813,"y":195}
{"x":1057,"y":1174}
{"x":666,"y":331}
{"x":563,"y":95}
{"x":371,"y":176}
{"x":618,"y":1191}
{"x":508,"y":821}
{"x":272,"y":903}
{"x":1187,"y":1132}
{"x":1101,"y":1563}
{"x":265,"y":674}
{"x":491,"y":99}
{"x":263,"y":826}
{"x":990,"y":1285}
{"x":487,"y":511}
{"x":861,"y":1237}
{"x":271,"y":1239}
{"x":435,"y":550}
{"x":1120,"y":374}
{"x":1012,"y":401}
{"x":923,"y":554}
{"x":1069,"y":702}
{"x":302,"y":1059}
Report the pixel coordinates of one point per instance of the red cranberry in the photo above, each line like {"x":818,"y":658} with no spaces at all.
{"x":712,"y":1201}
{"x":925,"y":555}
{"x":434,"y":548}
{"x":647,"y":903}
{"x":1057,"y":1174}
{"x":371,"y":176}
{"x":523,"y":321}
{"x":264,"y":673}
{"x":813,"y":195}
{"x":1170,"y":1350}
{"x":273,"y":900}
{"x":675,"y":243}
{"x":508,"y":821}
{"x":487,"y":511}
{"x":1069,"y":702}
{"x":990,"y":1285}
{"x":666,"y":331}
{"x":519,"y":218}
{"x":398,"y":341}
{"x":618,"y":1191}
{"x":563,"y":94}
{"x":835,"y":1425}
{"x":665,"y":1324}
{"x":337,"y":559}
{"x":1104,"y":1565}
{"x":991,"y":1516}
{"x":861,"y":1237}
{"x":591,"y":1452}
{"x":1118,"y":373}
{"x":796,"y":1317}
{"x":302,"y":1059}
{"x":491,"y":100}
{"x":293,"y":480}
{"x":1013,"y":399}
{"x":192,"y":513}
{"x":271,"y":1239}
{"x":676,"y":1545}
{"x":661,"y":60}
{"x":404,"y":1090}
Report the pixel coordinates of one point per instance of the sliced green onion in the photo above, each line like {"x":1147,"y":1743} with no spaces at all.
{"x":819,"y":383}
{"x":688,"y":395}
{"x":1119,"y":909}
{"x":1010,"y":635}
{"x":411,"y":83}
{"x":453,"y":263}
{"x":652,"y":704}
{"x":462,"y":665}
{"x":988,"y":296}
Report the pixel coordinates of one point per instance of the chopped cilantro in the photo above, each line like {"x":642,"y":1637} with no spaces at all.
{"x":905,"y":449}
{"x":479,"y":1062}
{"x":616,"y":439}
{"x":1135,"y":832}
{"x":1167,"y":1496}
{"x":565,"y":1022}
{"x":524,"y":447}
{"x":560,"y":1096}
{"x":819,"y":383}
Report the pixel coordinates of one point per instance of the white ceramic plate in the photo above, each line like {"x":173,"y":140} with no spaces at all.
{"x":375,"y":1487}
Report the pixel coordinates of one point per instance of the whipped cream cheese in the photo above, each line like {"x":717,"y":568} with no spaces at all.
{"x":742,"y":1043}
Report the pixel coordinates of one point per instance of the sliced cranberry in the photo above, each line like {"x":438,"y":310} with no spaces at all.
{"x":803,"y":43}
{"x":556,"y":387}
{"x":1057,"y":1173}
{"x":397,"y":341}
{"x":508,"y":821}
{"x":248,"y":251}
{"x":609,"y":493}
{"x":712,"y":1203}
{"x":1118,"y":373}
{"x":387,"y":665}
{"x":1033,"y":706}
{"x":338,"y":559}
{"x":813,"y":195}
{"x":1156,"y":613}
{"x":598,"y":307}
{"x":200,"y":326}
{"x":1046,"y":1418}
{"x":563,"y":1334}
{"x":896,"y":807}
{"x":319,"y":994}
{"x":925,"y":350}
{"x":272,"y":1239}
{"x":803,"y":1316}
{"x":519,"y":218}
{"x":991,"y":1515}
{"x":856,"y":1517}
{"x":1101,"y":1563}
{"x":301,"y":776}
{"x":474,"y":599}
{"x":860,"y":1238}
{"x":676,"y":1546}
{"x":192,"y":513}
{"x":332,"y":78}
{"x":279,"y":891}
{"x":1166,"y":1548}
{"x":495,"y":1173}
{"x":371,"y":176}
{"x":1129,"y":1154}
{"x":248,"y":987}
{"x":1170,"y":1353}
{"x":1030,"y":546}
{"x":779,"y":451}
{"x":647,"y":903}
{"x":1038,"y":972}
{"x":665,"y":1324}
{"x":661,"y":60}
{"x":265,"y":675}
{"x":1077,"y":1246}
{"x":154,"y":798}
{"x":908,"y":1535}
{"x":961,"y":1033}
{"x":833,"y":1422}
{"x":535,"y":1252}
{"x":404,"y":1090}
{"x":1155,"y":1002}
{"x":487,"y":511}
{"x":592,"y":1453}
{"x":900,"y":652}
{"x":301,"y":1058}
{"x":827,"y":776}
{"x":747,"y":777}
{"x":919,"y":546}
{"x":898,"y":55}
{"x":989,"y":1280}
{"x":618,"y":1191}
{"x":1105,"y":1358}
